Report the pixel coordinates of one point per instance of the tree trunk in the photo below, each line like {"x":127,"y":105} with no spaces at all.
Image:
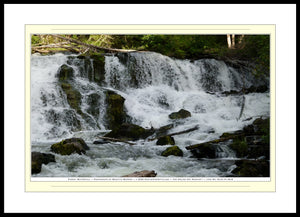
{"x":229,"y":41}
{"x":115,"y":140}
{"x":190,"y":147}
{"x":177,"y":133}
{"x":232,"y":41}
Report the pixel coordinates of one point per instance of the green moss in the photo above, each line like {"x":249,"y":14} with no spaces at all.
{"x":36,"y":167}
{"x":98,"y":57}
{"x":115,"y":110}
{"x":73,"y":96}
{"x":35,"y":39}
{"x":247,"y":168}
{"x":240,"y":146}
{"x":65,"y":73}
{"x":174,"y":150}
{"x":262,"y":127}
{"x":66,"y":147}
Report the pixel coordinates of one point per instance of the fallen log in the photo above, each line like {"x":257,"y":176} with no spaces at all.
{"x":190,"y":147}
{"x":144,"y":173}
{"x":115,"y":140}
{"x":177,"y":133}
{"x":57,"y":45}
{"x":162,"y":130}
{"x":92,"y":46}
{"x":43,"y":49}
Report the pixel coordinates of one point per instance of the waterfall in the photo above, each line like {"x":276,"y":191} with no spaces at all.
{"x":153,"y":86}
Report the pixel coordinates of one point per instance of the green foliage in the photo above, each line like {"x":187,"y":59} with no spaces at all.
{"x":100,"y":40}
{"x":258,"y":49}
{"x":174,"y":150}
{"x":240,"y":147}
{"x":35,"y":39}
{"x":255,"y":48}
{"x":181,"y":46}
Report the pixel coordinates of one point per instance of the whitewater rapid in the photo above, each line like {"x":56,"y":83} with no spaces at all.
{"x":153,"y":86}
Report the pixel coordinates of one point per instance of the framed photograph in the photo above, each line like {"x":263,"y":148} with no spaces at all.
{"x":150,"y":108}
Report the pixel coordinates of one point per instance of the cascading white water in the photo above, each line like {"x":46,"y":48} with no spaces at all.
{"x":153,"y":86}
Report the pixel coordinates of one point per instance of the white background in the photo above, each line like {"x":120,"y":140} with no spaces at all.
{"x":17,"y":200}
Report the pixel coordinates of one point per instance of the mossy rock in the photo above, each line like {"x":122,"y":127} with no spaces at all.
{"x":165,"y":140}
{"x":115,"y":114}
{"x":261,"y":126}
{"x":131,"y":132}
{"x":35,"y":167}
{"x":204,"y":151}
{"x":174,"y":150}
{"x":65,"y":73}
{"x":182,"y":113}
{"x":73,"y":96}
{"x":70,"y":146}
{"x":37,"y":159}
{"x":240,"y":147}
{"x":250,"y":168}
{"x":258,"y":127}
{"x":98,"y":65}
{"x":232,"y":134}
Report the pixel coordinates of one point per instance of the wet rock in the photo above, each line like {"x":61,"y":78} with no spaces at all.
{"x":70,"y":146}
{"x":144,"y":173}
{"x":73,"y":96}
{"x":115,"y":113}
{"x":182,"y":113}
{"x":37,"y":159}
{"x":99,"y":67}
{"x":165,"y":140}
{"x":240,"y":146}
{"x":253,"y":141}
{"x":259,"y":126}
{"x":65,"y":73}
{"x":174,"y":150}
{"x":205,"y":151}
{"x":130,"y":132}
{"x":93,"y":100}
{"x":252,"y":168}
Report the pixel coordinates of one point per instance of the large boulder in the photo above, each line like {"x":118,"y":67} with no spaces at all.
{"x":73,"y":96}
{"x":99,"y":67}
{"x":70,"y":146}
{"x":131,"y":132}
{"x":251,"y":168}
{"x":182,"y":113}
{"x":205,"y":151}
{"x":252,"y":142}
{"x":65,"y":73}
{"x":37,"y":159}
{"x":115,"y":114}
{"x":174,"y":150}
{"x":259,"y":126}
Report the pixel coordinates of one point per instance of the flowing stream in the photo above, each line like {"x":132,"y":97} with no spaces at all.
{"x":153,"y":86}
